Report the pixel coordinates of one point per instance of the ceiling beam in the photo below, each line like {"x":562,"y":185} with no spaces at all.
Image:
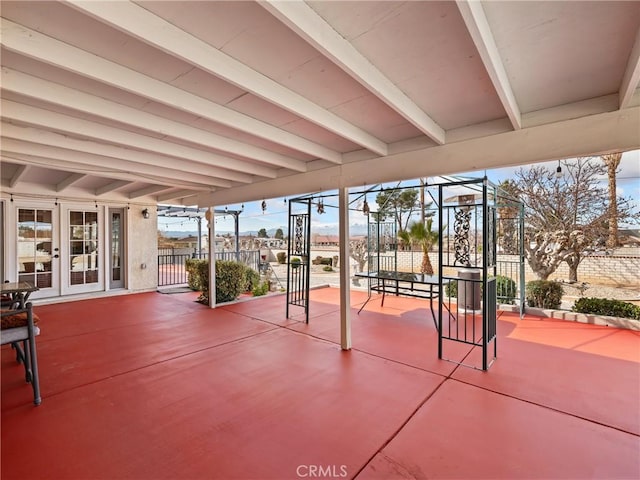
{"x":631,"y":77}
{"x":584,"y":136}
{"x":19,"y":173}
{"x":480,"y":31}
{"x":146,"y":160}
{"x":30,"y":43}
{"x":37,"y":88}
{"x":175,"y":194}
{"x":70,"y":180}
{"x":140,"y":23}
{"x":66,"y":166}
{"x":150,"y":190}
{"x":310,"y":26}
{"x":111,"y":187}
{"x":102,"y":166}
{"x":56,"y":121}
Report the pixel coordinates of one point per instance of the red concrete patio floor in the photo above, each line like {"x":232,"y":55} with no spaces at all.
{"x":155,"y":386}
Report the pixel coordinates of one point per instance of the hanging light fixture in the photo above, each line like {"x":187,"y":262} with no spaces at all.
{"x":365,"y":206}
{"x":559,"y":170}
{"x":321,"y":206}
{"x":264,"y":205}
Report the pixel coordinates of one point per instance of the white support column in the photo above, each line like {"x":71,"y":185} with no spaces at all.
{"x":345,"y":287}
{"x":211,"y":218}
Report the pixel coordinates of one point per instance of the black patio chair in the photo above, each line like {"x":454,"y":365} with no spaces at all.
{"x":19,"y":329}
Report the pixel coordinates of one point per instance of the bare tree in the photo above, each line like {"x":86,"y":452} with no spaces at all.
{"x":359,"y":252}
{"x":566,"y":215}
{"x":612,"y":161}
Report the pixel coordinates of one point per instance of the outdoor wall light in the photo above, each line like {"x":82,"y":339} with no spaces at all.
{"x":145,"y":213}
{"x":559,"y":171}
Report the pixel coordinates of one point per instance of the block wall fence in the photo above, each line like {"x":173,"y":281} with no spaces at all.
{"x":613,"y":270}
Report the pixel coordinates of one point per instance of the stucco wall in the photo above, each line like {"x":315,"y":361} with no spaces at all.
{"x":142,"y":244}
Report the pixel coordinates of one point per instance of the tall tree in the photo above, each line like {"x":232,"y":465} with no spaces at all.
{"x":262,"y":233}
{"x":423,"y":187}
{"x":612,"y":161}
{"x":279,"y":234}
{"x":508,"y":212}
{"x":397,"y":203}
{"x":566,"y":215}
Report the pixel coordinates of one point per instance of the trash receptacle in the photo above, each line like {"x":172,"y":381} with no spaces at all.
{"x":469,"y":296}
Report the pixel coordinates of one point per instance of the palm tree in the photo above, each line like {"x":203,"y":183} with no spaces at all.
{"x":612,"y":160}
{"x":405,"y":239}
{"x":422,"y":234}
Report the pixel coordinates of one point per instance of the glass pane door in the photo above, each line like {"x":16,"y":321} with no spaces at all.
{"x":84,"y":249}
{"x":35,"y":247}
{"x":116,"y":247}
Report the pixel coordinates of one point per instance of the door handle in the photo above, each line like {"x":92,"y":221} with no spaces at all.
{"x":56,"y":256}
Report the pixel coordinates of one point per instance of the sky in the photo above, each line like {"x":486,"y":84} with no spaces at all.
{"x":275,"y":216}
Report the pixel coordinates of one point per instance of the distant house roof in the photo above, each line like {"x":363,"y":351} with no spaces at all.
{"x":326,"y":239}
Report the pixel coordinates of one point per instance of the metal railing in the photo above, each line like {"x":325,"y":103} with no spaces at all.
{"x":172,"y":267}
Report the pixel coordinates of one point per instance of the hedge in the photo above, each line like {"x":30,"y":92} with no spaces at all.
{"x":605,"y":306}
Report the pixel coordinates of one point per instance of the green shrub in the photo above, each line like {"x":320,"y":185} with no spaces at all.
{"x":295,"y":262}
{"x":506,"y":289}
{"x":251,"y":277}
{"x":323,"y":261}
{"x":327,"y":268}
{"x":260,"y":289}
{"x":505,"y":286}
{"x":231,"y":279}
{"x":196,"y":270}
{"x":604,"y":306}
{"x":451,"y":289}
{"x":544,"y":294}
{"x":281,"y":257}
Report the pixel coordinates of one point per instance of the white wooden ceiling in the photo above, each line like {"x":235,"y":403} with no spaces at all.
{"x":208,"y":102}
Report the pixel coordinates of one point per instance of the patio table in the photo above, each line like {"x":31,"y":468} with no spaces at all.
{"x":18,"y":292}
{"x":408,"y":284}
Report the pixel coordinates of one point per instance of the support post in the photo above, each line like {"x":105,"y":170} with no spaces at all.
{"x":199,"y":220}
{"x":211,"y":218}
{"x":236,"y":218}
{"x":345,"y":288}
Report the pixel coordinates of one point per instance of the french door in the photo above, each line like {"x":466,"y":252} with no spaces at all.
{"x":37,"y":250}
{"x":82,"y":250}
{"x":66,"y":249}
